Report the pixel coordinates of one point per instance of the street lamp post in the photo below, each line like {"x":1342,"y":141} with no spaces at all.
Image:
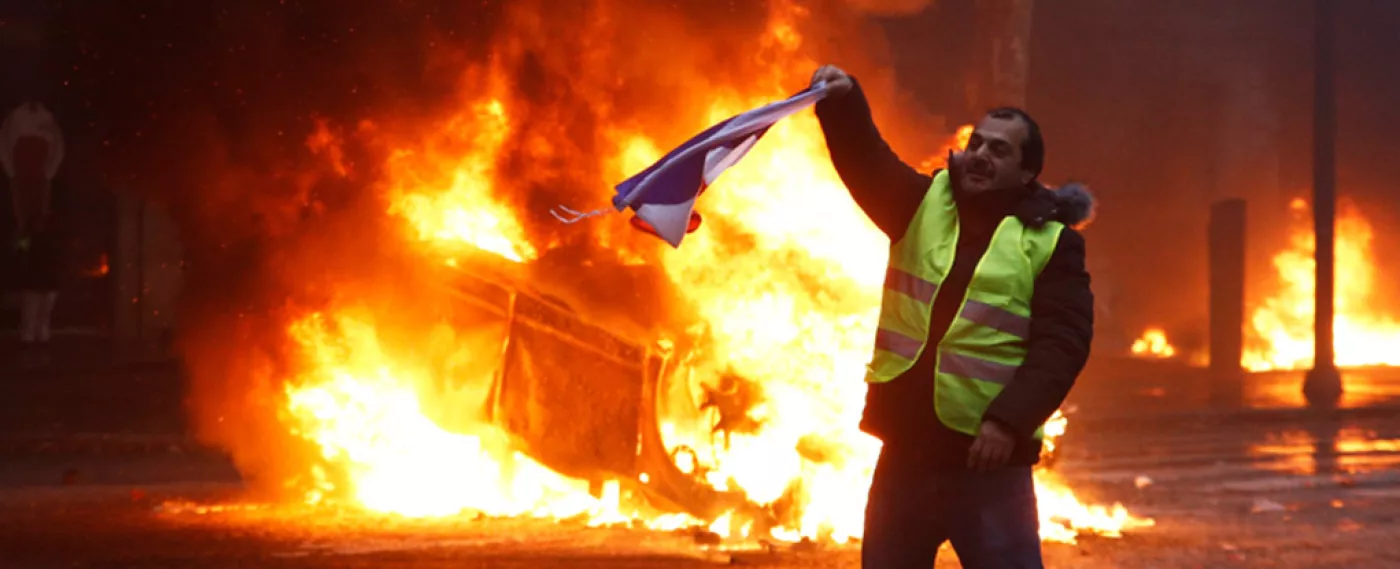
{"x":1323,"y":385}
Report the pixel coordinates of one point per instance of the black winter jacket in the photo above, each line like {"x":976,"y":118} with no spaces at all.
{"x":901,"y":412}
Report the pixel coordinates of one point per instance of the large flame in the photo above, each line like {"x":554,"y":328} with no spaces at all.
{"x":784,"y":282}
{"x":792,"y":311}
{"x":361,"y":408}
{"x":1282,"y":325}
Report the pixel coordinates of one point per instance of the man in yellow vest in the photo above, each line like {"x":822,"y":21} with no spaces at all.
{"x":985,"y":323}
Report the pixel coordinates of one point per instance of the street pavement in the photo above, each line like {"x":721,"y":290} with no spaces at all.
{"x":121,"y":488}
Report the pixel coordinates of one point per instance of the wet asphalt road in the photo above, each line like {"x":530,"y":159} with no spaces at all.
{"x":1241,"y":489}
{"x":1283,"y":490}
{"x":111,"y":533}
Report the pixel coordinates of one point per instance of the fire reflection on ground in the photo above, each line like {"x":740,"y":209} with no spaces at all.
{"x":1320,"y":451}
{"x":1363,"y":387}
{"x":317,"y":530}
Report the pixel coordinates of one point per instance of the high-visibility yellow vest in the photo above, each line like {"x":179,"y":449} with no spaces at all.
{"x":987,"y":341}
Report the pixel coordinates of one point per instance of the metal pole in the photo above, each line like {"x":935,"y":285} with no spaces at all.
{"x":1226,"y":241}
{"x":1323,"y":385}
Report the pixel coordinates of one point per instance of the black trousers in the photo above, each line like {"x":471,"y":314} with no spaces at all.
{"x":990,"y":518}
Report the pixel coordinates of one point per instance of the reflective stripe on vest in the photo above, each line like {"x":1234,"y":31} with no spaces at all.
{"x":975,"y":368}
{"x":997,"y":318}
{"x":986,"y":342}
{"x":910,"y":285}
{"x":894,"y":342}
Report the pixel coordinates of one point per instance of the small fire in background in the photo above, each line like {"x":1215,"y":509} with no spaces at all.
{"x":1153,"y":344}
{"x":1281,"y":326}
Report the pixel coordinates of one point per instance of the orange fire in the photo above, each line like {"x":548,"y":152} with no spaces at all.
{"x":1153,"y":344}
{"x":784,"y":282}
{"x":362,"y":409}
{"x":1282,"y":325}
{"x":960,"y":140}
{"x":1063,"y":517}
{"x":456,"y":167}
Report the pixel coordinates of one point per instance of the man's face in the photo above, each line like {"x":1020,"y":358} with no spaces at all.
{"x":992,"y":160}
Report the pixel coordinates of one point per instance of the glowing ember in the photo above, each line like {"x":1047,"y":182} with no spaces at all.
{"x":1282,"y":325}
{"x":1153,"y":344}
{"x":101,"y":269}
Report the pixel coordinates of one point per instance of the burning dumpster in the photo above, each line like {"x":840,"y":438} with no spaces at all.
{"x":583,"y":400}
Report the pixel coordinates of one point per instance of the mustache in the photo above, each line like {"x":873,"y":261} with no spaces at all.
{"x":981,"y":167}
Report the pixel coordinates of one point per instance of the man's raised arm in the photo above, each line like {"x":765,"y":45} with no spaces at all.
{"x":887,"y":189}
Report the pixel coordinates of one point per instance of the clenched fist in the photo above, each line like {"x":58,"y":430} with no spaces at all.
{"x":837,"y":80}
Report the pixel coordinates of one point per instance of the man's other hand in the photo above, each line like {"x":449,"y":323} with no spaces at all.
{"x":957,"y":160}
{"x":837,"y":80}
{"x":992,"y":448}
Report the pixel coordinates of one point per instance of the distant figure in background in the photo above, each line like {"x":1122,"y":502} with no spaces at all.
{"x":31,"y":149}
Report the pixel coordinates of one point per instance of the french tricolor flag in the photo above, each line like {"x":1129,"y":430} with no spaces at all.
{"x":663,"y":195}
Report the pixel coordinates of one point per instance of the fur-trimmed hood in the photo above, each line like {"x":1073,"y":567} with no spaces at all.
{"x":1071,"y":204}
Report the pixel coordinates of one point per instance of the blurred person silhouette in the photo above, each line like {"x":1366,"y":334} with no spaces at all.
{"x":31,"y":151}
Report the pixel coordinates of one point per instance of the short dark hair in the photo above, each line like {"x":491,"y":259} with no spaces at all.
{"x":1033,"y":149}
